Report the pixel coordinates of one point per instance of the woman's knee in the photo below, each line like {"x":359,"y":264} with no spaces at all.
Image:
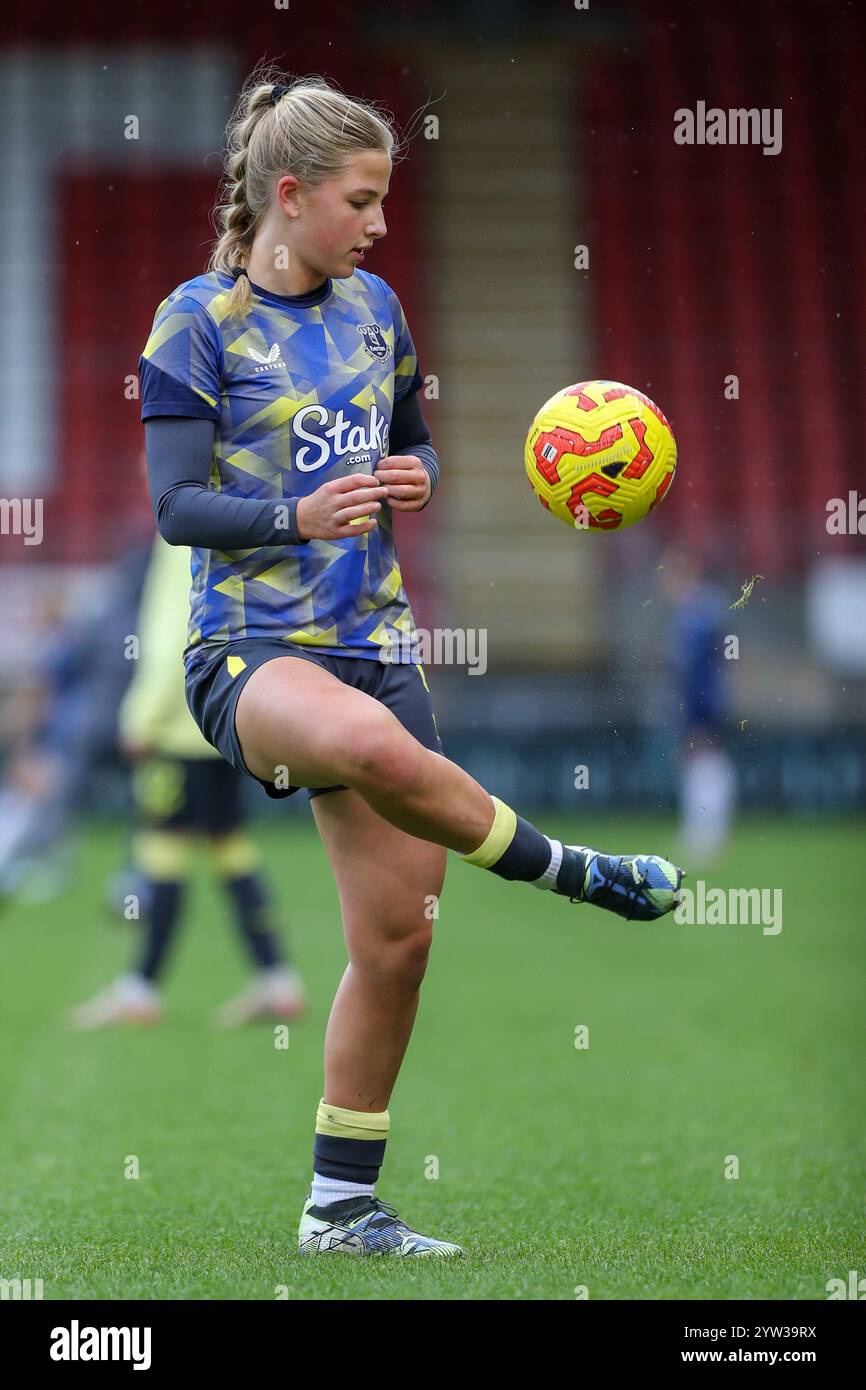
{"x":399,"y":960}
{"x":416,"y":954}
{"x":381,"y":756}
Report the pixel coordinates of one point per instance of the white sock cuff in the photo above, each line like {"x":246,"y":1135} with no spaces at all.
{"x":548,"y":878}
{"x":328,"y":1190}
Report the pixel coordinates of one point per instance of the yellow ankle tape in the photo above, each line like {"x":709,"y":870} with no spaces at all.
{"x":499,"y":837}
{"x":352,"y":1124}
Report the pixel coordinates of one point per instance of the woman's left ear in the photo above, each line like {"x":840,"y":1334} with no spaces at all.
{"x":287,"y":194}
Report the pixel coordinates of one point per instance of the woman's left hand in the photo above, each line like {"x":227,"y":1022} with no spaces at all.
{"x":406,"y":479}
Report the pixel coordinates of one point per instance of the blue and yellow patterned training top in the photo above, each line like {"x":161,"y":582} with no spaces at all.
{"x":302,"y":391}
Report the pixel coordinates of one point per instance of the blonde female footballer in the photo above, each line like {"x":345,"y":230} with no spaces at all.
{"x":283,"y":429}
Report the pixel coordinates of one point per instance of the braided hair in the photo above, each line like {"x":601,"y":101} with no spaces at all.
{"x":303,"y":126}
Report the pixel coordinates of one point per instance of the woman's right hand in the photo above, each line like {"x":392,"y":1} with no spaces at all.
{"x":328,"y":513}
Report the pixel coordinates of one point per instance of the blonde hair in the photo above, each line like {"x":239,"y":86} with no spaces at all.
{"x":311,"y":131}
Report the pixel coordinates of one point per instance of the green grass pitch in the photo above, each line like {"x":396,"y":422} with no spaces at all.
{"x":558,"y":1168}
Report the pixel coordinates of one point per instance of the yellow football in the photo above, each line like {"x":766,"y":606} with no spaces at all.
{"x":600,"y":455}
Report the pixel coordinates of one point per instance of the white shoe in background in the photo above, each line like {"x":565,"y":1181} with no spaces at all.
{"x":130,"y":1000}
{"x":276,"y":994}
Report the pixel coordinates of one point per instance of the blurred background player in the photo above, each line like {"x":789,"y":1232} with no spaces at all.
{"x":58,"y":722}
{"x":183,"y":792}
{"x":707,"y":779}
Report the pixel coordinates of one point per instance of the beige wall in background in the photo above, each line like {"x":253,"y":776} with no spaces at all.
{"x":502,"y":206}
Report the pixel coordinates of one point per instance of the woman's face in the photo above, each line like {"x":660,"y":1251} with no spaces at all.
{"x":331,"y":224}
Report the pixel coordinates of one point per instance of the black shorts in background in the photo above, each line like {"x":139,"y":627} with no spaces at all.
{"x":197,"y":794}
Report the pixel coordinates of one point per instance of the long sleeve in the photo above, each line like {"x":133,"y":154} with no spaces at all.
{"x":410,"y":435}
{"x":179,"y":453}
{"x":181,"y":371}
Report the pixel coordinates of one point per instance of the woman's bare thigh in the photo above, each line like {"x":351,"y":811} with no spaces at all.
{"x":292,"y":714}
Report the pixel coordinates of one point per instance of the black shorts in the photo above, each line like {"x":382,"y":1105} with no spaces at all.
{"x":212,"y":691}
{"x":196,"y":794}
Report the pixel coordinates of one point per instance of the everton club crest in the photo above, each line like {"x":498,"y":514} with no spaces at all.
{"x":374,"y":341}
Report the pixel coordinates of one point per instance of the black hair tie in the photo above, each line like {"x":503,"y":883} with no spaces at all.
{"x":278,"y":91}
{"x":240,"y":270}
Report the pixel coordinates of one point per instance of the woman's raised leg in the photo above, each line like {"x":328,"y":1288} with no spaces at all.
{"x":293,"y":718}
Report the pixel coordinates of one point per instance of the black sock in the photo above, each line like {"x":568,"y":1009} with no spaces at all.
{"x":512,"y":848}
{"x":164,"y":897}
{"x":526,"y":857}
{"x":253,"y":919}
{"x":349,"y":1145}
